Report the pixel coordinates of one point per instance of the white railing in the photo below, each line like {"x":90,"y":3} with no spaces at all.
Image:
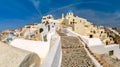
{"x":114,"y":31}
{"x":92,"y":57}
{"x":69,"y":32}
{"x":54,"y":57}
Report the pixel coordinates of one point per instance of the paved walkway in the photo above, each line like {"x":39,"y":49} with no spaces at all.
{"x":74,"y":54}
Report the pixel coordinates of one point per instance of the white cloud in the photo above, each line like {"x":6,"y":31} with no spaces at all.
{"x":36,"y":4}
{"x":97,"y":17}
{"x":101,"y":18}
{"x":78,"y":3}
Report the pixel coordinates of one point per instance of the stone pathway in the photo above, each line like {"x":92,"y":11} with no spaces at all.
{"x":109,"y":61}
{"x":74,"y":54}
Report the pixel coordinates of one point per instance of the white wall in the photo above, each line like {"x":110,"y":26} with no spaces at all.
{"x":115,"y":48}
{"x":95,"y":44}
{"x":32,"y":46}
{"x":69,"y":32}
{"x":39,"y":47}
{"x":54,"y":56}
{"x":92,"y":58}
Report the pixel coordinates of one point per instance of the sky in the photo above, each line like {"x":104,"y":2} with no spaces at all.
{"x":16,"y":13}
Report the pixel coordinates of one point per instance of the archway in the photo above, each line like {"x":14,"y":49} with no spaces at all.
{"x":40,"y":30}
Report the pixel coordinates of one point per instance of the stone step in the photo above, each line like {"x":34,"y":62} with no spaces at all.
{"x":74,"y":54}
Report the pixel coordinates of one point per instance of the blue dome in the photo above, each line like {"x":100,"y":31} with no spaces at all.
{"x":70,"y":11}
{"x":11,"y":33}
{"x":32,"y":35}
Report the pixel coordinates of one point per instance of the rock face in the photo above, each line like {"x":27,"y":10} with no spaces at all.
{"x":15,"y":57}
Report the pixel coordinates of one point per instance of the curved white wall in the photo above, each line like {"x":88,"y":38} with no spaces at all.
{"x":54,"y":56}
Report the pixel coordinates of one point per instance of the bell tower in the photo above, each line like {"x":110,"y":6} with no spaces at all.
{"x":62,"y":15}
{"x":69,"y":14}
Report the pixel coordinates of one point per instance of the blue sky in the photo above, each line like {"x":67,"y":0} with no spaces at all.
{"x":17,"y":13}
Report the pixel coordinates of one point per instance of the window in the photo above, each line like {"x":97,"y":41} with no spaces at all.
{"x":91,"y":36}
{"x":44,"y":22}
{"x":44,"y":18}
{"x":63,"y":23}
{"x":101,"y":31}
{"x":73,"y":20}
{"x":49,"y":17}
{"x":40,"y":30}
{"x":94,"y":32}
{"x":86,"y":25}
{"x":80,"y":20}
{"x":111,"y":53}
{"x":45,"y":38}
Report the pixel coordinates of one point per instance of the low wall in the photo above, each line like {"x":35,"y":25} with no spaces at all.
{"x":69,"y":32}
{"x":33,"y":46}
{"x":54,"y":56}
{"x":14,"y":57}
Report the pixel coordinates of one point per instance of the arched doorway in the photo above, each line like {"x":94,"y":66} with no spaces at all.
{"x":40,"y":30}
{"x":48,"y":27}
